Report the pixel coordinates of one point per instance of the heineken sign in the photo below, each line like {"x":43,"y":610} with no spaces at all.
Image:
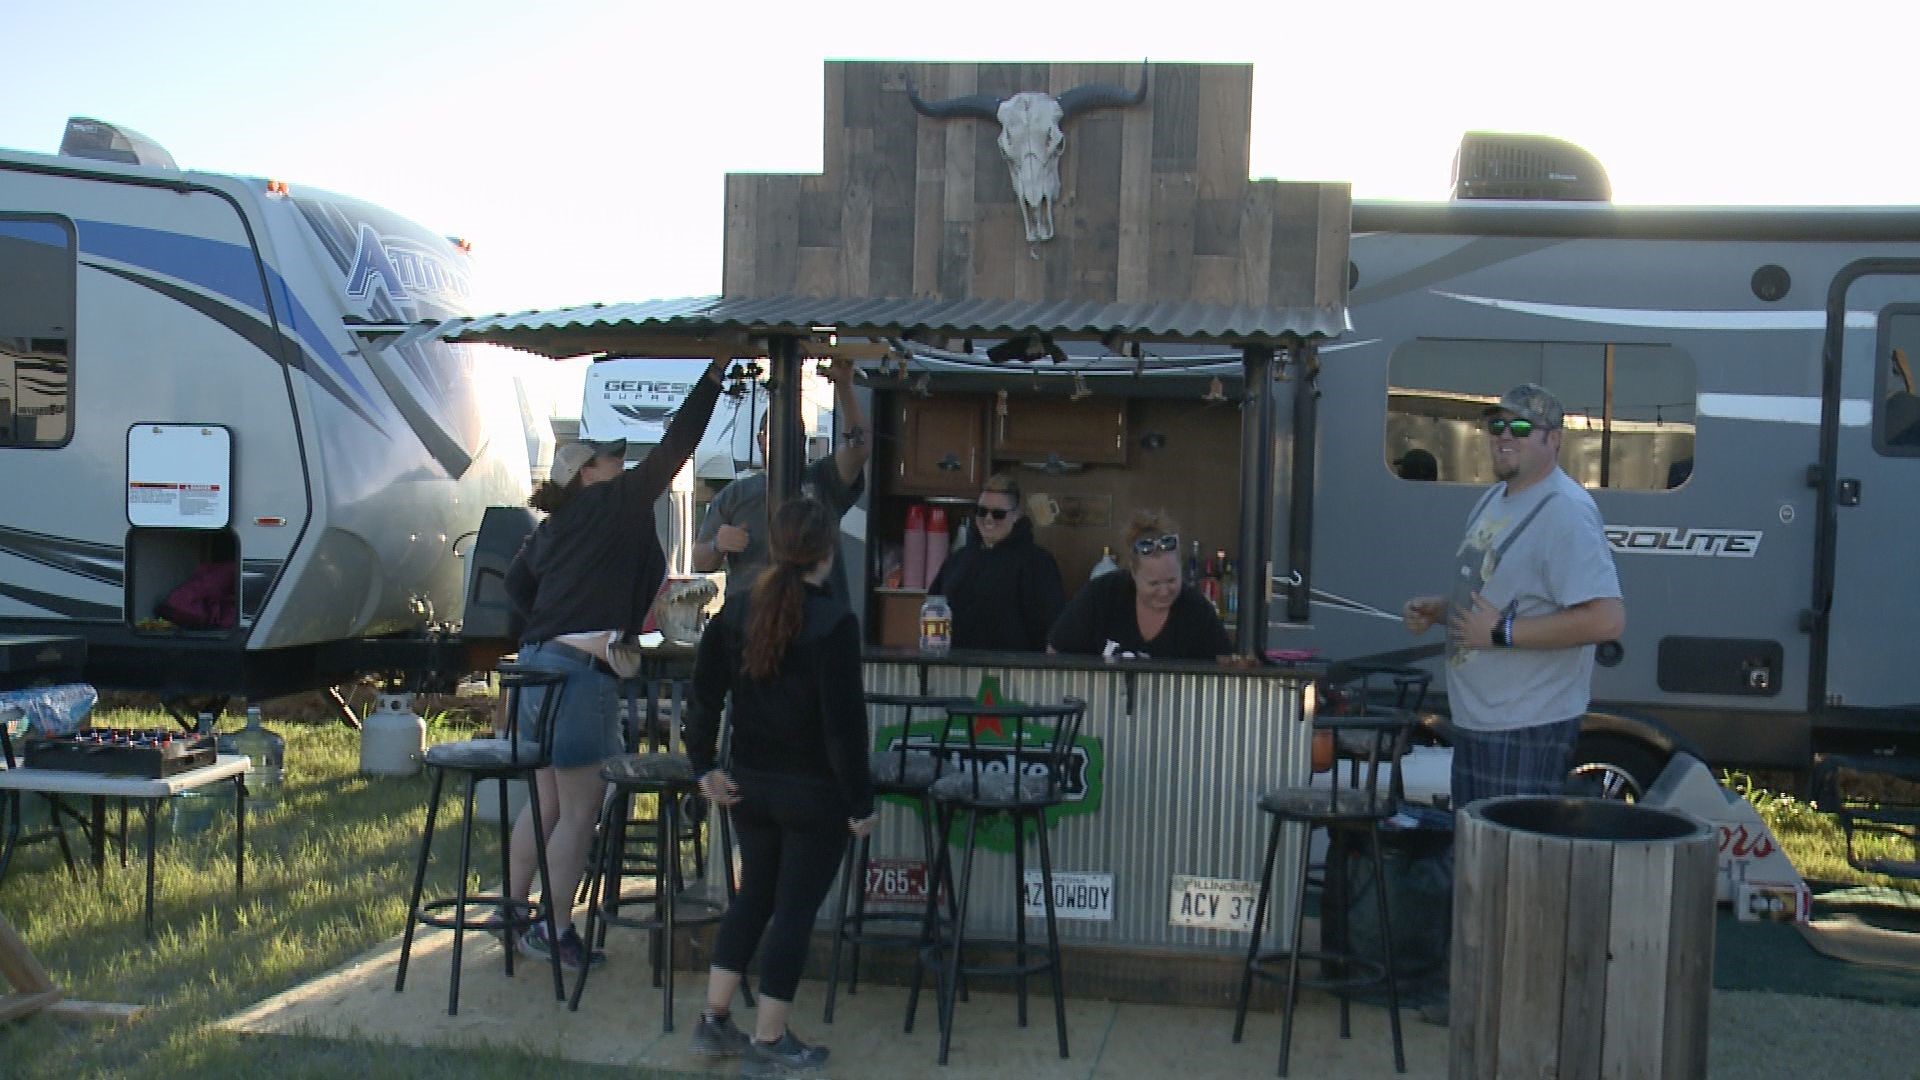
{"x":992,"y":754}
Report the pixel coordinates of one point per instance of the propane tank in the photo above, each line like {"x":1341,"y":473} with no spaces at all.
{"x":392,"y":738}
{"x":913,"y":550}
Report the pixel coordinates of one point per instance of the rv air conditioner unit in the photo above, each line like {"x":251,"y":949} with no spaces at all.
{"x":109,"y":142}
{"x":1496,"y":166}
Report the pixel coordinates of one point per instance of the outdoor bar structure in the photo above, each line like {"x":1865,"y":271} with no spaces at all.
{"x":1101,"y":251}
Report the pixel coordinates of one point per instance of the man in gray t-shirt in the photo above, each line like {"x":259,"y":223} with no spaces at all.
{"x":734,"y":532}
{"x":1534,"y":591}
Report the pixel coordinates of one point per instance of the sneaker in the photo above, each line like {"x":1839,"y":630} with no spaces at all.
{"x":534,"y":943}
{"x":786,"y":1057}
{"x":718,"y":1037}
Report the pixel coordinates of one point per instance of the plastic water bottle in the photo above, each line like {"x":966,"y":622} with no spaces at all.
{"x":194,"y":810}
{"x":266,"y":753}
{"x":936,"y":626}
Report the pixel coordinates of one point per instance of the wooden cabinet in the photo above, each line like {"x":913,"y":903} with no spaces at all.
{"x":942,"y":446}
{"x":1092,"y":431}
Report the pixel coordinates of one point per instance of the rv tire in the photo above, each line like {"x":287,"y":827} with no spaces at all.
{"x":1610,"y":766}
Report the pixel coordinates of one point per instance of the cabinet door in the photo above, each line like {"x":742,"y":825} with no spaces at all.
{"x":1092,"y":431}
{"x":942,"y":447}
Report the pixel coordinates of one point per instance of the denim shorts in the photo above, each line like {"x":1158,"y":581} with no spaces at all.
{"x":587,"y":722}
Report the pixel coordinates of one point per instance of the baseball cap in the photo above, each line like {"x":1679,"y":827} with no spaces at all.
{"x":1531,"y":401}
{"x":574,"y":456}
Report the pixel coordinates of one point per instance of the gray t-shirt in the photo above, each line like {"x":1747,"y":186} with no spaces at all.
{"x":744,"y":503}
{"x":1534,"y":553}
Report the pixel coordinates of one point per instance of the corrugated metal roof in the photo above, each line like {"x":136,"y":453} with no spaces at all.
{"x":576,"y":331}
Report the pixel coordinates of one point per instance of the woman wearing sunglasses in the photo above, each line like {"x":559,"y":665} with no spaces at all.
{"x":1005,"y":589}
{"x":1147,"y":612}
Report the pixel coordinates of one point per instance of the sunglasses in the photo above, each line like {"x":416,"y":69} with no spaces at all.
{"x":1147,"y":545}
{"x":1515,"y":426}
{"x":991,"y":512}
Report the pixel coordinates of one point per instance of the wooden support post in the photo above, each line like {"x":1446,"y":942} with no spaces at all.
{"x":32,"y":989}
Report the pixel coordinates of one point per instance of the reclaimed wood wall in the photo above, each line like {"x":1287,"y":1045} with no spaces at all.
{"x":1156,"y":204}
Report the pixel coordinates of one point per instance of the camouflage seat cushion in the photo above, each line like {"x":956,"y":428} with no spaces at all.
{"x":660,"y":770}
{"x":996,"y":790}
{"x":1318,"y":803}
{"x":913,"y":771}
{"x":478,"y":754}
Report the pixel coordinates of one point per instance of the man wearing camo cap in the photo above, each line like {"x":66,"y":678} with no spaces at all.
{"x":1534,"y":591}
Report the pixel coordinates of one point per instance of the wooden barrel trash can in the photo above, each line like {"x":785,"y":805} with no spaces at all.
{"x":1582,"y":940}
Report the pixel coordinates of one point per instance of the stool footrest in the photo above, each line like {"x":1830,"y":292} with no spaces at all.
{"x":687,"y":912}
{"x":519,"y":914}
{"x":1371,"y":973}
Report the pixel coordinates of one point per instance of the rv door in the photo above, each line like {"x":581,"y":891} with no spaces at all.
{"x":1871,"y":435}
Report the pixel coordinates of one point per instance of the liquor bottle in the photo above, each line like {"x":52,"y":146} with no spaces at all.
{"x":1106,"y":565}
{"x":1230,"y":593}
{"x":1209,"y":583}
{"x":1220,"y":582}
{"x":1193,"y":565}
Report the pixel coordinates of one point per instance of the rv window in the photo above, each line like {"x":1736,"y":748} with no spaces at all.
{"x":1896,"y":421}
{"x":1630,"y":409}
{"x":36,"y":331}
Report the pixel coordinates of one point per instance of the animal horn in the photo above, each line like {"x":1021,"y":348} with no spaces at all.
{"x":978,"y":106}
{"x":1101,"y":95}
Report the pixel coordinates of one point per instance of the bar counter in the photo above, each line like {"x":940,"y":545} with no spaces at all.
{"x":1176,"y":754}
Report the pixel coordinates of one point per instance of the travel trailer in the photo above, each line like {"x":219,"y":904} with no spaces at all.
{"x":236,"y":456}
{"x":1740,"y":388}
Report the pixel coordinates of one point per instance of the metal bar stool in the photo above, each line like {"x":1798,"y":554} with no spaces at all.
{"x":1039,"y":755}
{"x":906,"y":770}
{"x":505,"y":759}
{"x":1349,"y":812}
{"x":654,"y":706}
{"x":670,"y":778}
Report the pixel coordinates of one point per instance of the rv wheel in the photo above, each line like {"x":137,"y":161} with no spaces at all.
{"x":1612,"y":767}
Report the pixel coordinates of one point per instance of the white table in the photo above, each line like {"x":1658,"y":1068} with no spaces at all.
{"x":152,"y":792}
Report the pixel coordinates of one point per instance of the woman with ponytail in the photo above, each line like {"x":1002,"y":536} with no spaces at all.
{"x":788,"y":655}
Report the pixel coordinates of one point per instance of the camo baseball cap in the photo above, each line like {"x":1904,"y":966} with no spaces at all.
{"x":1531,"y":401}
{"x":574,"y":456}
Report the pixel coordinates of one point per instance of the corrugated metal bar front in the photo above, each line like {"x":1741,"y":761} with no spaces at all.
{"x":1185,"y":756}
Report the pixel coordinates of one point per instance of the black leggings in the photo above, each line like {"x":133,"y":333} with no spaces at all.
{"x":792,"y":834}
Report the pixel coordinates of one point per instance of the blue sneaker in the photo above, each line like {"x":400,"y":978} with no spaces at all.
{"x":786,"y":1056}
{"x":718,"y":1037}
{"x":572,"y":950}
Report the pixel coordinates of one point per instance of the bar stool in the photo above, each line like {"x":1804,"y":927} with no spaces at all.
{"x":906,"y":770}
{"x":490,"y":759}
{"x":670,"y":778}
{"x":1348,"y":812}
{"x":1038,"y":778}
{"x":650,"y":721}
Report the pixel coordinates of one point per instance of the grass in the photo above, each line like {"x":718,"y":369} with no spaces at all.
{"x":1813,"y":839}
{"x":327,"y":876}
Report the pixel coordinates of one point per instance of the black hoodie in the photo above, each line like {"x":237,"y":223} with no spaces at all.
{"x":808,"y":721}
{"x":1005,"y":596}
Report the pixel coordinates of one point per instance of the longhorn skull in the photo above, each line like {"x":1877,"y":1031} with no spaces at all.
{"x":1030,"y":137}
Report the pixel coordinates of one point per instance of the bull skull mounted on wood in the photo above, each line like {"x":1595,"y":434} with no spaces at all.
{"x":1030,"y":136}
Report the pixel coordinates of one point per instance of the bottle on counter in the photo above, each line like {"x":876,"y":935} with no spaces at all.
{"x":913,"y":553}
{"x":1229,"y":593}
{"x":1192,"y":577}
{"x":1106,"y":565}
{"x":936,"y":626}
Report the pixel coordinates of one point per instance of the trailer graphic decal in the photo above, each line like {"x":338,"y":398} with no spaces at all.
{"x":1659,"y":319}
{"x":1675,"y":540}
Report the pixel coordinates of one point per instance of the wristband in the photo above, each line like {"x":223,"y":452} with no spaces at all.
{"x":1503,"y":632}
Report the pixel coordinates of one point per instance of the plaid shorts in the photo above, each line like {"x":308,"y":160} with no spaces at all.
{"x":1524,"y":761}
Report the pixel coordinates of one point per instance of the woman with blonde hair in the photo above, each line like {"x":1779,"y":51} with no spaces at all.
{"x":1146,"y":612}
{"x":788,"y":654}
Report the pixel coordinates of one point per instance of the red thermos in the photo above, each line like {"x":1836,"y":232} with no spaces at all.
{"x":936,"y":543}
{"x":913,"y":554}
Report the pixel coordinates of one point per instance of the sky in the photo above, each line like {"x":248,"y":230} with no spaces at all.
{"x":581,"y":146}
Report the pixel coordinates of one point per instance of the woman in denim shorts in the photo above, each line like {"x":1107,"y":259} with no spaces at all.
{"x":586,"y":575}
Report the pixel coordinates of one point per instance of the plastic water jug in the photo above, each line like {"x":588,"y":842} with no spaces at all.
{"x":392,"y":738}
{"x":936,"y":626}
{"x":266,"y":753}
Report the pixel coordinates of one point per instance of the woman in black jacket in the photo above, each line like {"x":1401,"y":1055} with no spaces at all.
{"x":799,"y":783}
{"x":1146,"y":611}
{"x":588,"y":573}
{"x":1004,"y":589}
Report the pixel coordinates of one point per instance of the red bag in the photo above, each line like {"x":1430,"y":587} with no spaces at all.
{"x":205,"y":601}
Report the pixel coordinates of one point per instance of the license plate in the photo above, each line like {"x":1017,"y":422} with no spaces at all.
{"x":896,"y":883}
{"x":1212,"y":903}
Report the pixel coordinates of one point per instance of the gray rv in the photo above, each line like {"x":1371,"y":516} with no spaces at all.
{"x":1741,"y":393}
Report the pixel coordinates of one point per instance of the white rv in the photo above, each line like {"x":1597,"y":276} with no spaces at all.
{"x":238,"y":381}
